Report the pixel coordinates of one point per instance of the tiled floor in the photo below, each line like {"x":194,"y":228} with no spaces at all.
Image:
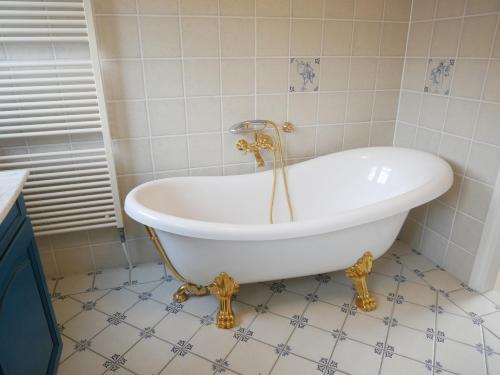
{"x":427,"y":322}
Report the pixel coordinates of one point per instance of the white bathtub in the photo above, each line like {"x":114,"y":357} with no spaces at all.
{"x":345,"y":204}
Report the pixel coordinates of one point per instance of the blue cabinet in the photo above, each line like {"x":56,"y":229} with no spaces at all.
{"x":29,"y":339}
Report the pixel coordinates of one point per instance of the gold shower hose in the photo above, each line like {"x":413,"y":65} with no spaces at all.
{"x":283,"y":170}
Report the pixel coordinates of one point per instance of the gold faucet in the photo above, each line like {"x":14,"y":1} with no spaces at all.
{"x":266,"y":142}
{"x":262,"y":142}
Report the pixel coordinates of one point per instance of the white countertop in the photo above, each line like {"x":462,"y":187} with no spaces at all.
{"x":11,"y":184}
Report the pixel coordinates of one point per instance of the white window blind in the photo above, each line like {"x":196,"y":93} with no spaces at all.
{"x":45,"y":104}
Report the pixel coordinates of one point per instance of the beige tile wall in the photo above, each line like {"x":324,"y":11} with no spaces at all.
{"x":179,"y":73}
{"x":462,"y":126}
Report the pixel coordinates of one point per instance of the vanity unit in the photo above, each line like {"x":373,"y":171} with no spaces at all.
{"x":30,"y":343}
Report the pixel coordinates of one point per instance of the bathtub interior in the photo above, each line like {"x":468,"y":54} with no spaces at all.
{"x":319,"y":188}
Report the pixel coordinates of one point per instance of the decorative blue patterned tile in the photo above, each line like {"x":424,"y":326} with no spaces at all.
{"x":439,"y":73}
{"x":304,"y":74}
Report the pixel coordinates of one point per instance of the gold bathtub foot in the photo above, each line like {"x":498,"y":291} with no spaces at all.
{"x":187,"y":290}
{"x":358,"y":273}
{"x":224,"y":287}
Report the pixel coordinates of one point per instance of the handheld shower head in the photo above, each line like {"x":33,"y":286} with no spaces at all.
{"x":248,"y":126}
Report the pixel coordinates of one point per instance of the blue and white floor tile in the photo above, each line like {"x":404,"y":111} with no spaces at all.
{"x":124,"y":322}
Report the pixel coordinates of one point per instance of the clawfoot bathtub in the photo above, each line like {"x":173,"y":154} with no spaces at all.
{"x":213,"y":233}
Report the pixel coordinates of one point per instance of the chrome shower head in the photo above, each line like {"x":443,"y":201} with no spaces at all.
{"x":249,"y":126}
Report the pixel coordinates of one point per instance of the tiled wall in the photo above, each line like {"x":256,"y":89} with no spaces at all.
{"x":179,"y":73}
{"x":450,"y":106}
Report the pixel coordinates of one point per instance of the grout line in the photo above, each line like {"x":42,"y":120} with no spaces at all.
{"x":144,"y":82}
{"x":390,"y":322}
{"x":323,"y":13}
{"x":294,"y":329}
{"x":447,"y":107}
{"x":377,"y":66}
{"x":184,"y":97}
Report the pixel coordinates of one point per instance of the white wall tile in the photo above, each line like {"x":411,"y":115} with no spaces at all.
{"x":156,"y":6}
{"x":397,"y":10}
{"x":477,"y":36}
{"x":306,"y":38}
{"x":492,"y":87}
{"x":445,"y":38}
{"x":450,"y":8}
{"x":382,"y":134}
{"x":389,"y":74}
{"x":339,"y":9}
{"x":468,"y":78}
{"x":433,"y":246}
{"x":127,"y":119}
{"x":366,"y":38}
{"x":488,"y":126}
{"x":167,"y":117}
{"x":301,"y":142}
{"x":245,"y":8}
{"x":332,"y":108}
{"x":238,"y":76}
{"x":385,"y":106}
{"x":199,"y":7}
{"x":132,"y":156}
{"x":363,"y":73}
{"x":482,"y":6}
{"x":329,"y":139}
{"x":455,"y":151}
{"x":460,"y":117}
{"x":409,"y":106}
{"x":160,"y":36}
{"x":414,"y":74}
{"x":200,"y":37}
{"x":419,"y":39}
{"x":458,"y":262}
{"x":356,"y":135}
{"x":118,"y":36}
{"x":237,"y":109}
{"x":272,"y":106}
{"x":272,"y":75}
{"x":404,"y":135}
{"x":475,"y":199}
{"x":427,"y":140}
{"x":433,"y":111}
{"x":170,"y":153}
{"x":277,"y":8}
{"x":272,"y":37}
{"x":394,"y":39}
{"x":423,"y":9}
{"x":205,"y":150}
{"x":467,"y":232}
{"x":359,"y":107}
{"x":114,"y":6}
{"x":483,"y":163}
{"x":369,"y":9}
{"x":307,"y":8}
{"x":163,"y":78}
{"x":237,"y":37}
{"x":123,"y":80}
{"x":203,"y":115}
{"x":303,"y":108}
{"x":337,"y":38}
{"x":202,"y":77}
{"x":440,"y":218}
{"x":334,"y":74}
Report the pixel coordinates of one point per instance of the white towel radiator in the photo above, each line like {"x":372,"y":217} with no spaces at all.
{"x":72,"y":185}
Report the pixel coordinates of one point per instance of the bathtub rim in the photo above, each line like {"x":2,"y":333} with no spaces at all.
{"x":421,"y":194}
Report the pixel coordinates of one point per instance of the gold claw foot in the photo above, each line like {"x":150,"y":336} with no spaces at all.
{"x":187,"y":290}
{"x":224,"y":287}
{"x":358,"y":273}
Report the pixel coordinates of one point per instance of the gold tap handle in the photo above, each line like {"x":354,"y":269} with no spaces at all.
{"x":288,"y":127}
